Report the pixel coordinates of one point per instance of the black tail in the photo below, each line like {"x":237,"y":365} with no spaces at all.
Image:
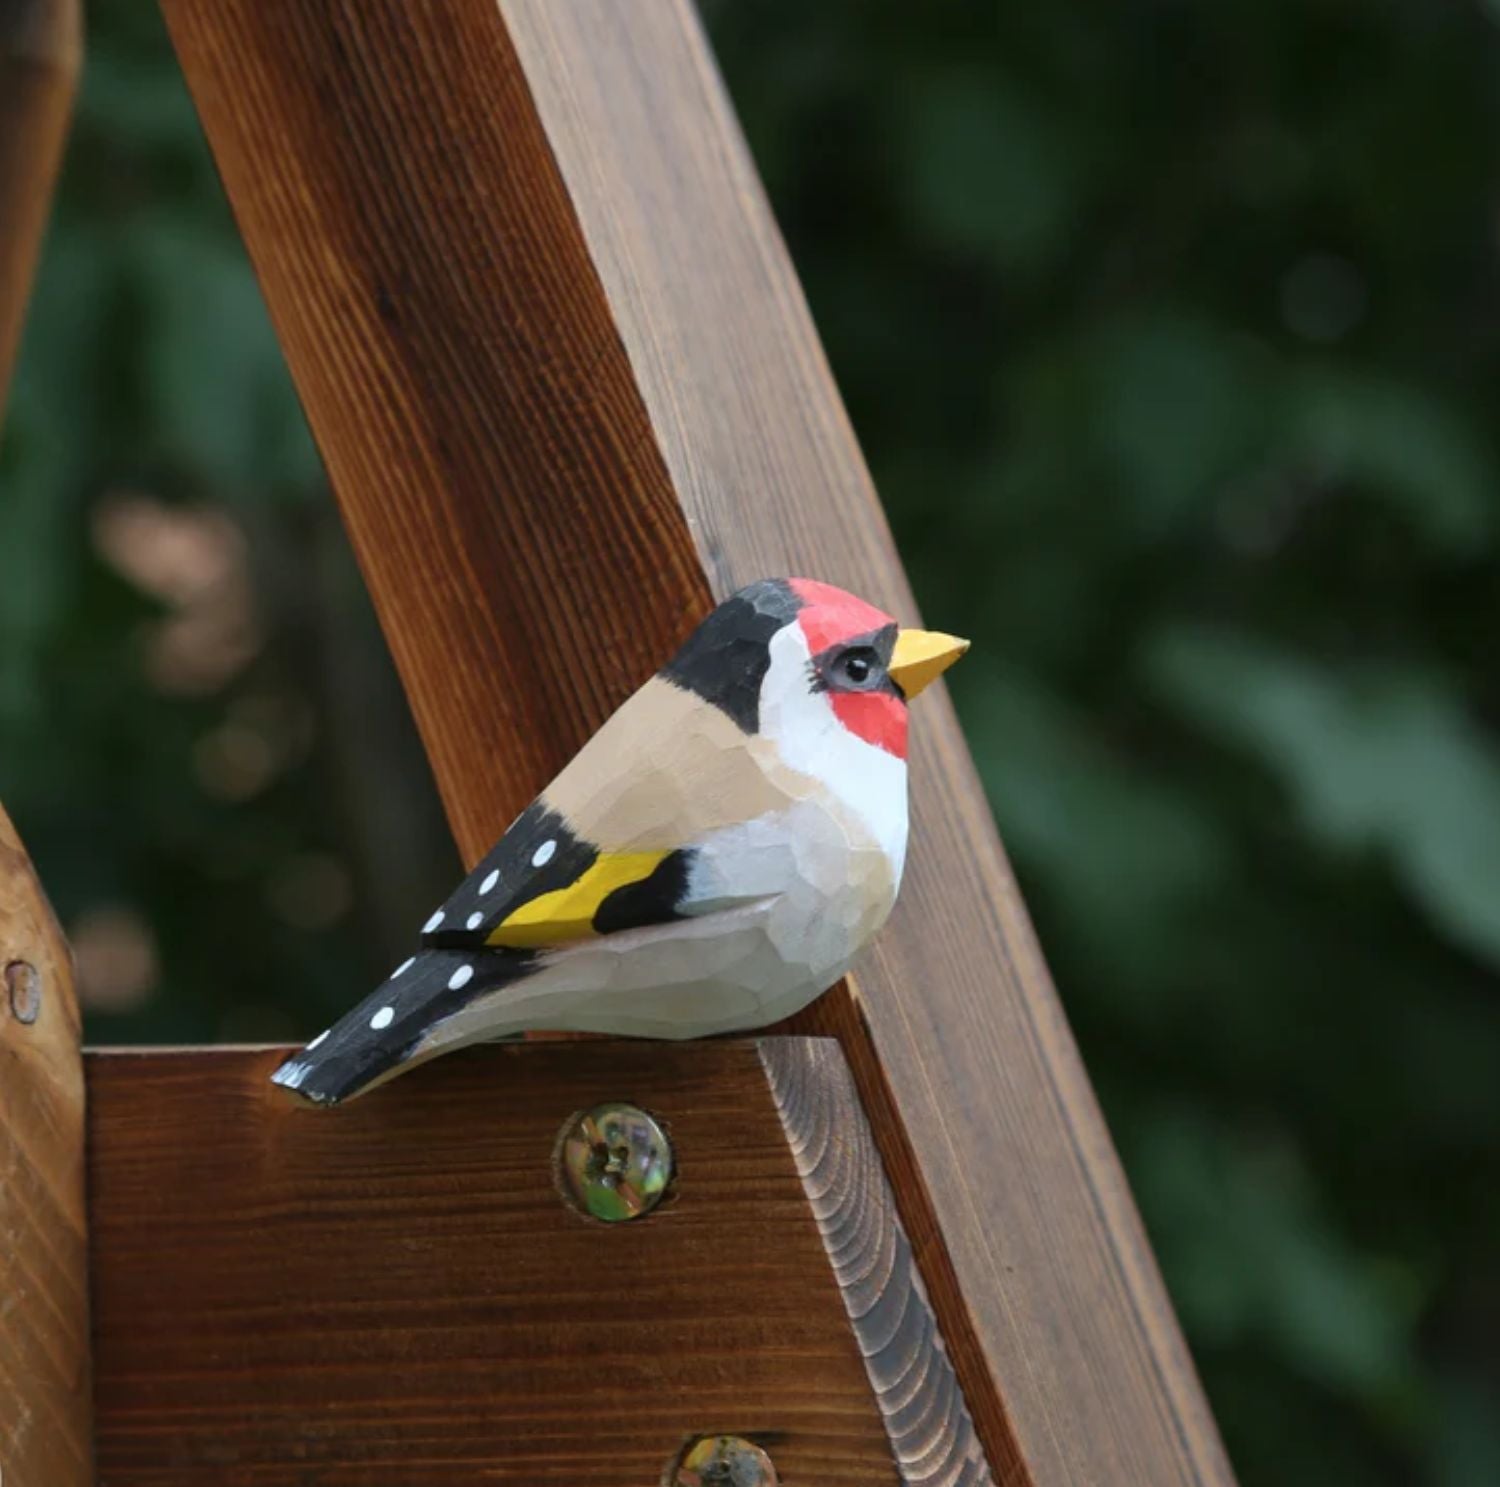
{"x":383,"y":1032}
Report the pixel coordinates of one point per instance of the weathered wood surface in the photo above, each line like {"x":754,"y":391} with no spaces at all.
{"x":40,"y":50}
{"x":932,"y":1435}
{"x":396,"y":1291}
{"x":568,"y":391}
{"x":44,"y":1327}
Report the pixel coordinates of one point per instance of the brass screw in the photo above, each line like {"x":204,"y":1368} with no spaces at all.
{"x":614,"y":1162}
{"x":24,"y":983}
{"x":723,"y":1461}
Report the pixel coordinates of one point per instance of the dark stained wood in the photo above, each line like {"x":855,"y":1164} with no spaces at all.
{"x":461,"y":371}
{"x":44,"y":1328}
{"x":396,"y":1291}
{"x":931,"y":1433}
{"x":40,"y":48}
{"x":567,"y":389}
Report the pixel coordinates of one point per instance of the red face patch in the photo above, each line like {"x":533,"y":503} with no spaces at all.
{"x":877,"y":717}
{"x":830,"y":616}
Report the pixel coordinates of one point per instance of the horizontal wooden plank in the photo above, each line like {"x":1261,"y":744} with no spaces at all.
{"x":285,"y":1296}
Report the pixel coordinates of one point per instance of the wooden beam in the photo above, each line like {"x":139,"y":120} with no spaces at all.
{"x":930,"y":1428}
{"x":285,"y":1296}
{"x":40,"y":51}
{"x":567,"y":390}
{"x":45,"y":1431}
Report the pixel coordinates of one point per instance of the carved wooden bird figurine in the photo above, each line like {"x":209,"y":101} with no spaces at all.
{"x":711,"y":860}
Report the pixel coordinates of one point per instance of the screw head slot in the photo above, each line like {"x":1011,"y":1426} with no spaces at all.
{"x":614,"y":1162}
{"x":723,"y":1461}
{"x":23,"y":983}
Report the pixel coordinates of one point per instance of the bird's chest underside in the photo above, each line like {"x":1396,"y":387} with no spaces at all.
{"x":831,"y":883}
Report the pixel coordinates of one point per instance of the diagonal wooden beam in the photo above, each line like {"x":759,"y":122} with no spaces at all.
{"x":568,"y":391}
{"x":41,"y":45}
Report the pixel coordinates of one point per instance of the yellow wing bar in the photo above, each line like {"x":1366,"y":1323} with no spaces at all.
{"x":568,"y":913}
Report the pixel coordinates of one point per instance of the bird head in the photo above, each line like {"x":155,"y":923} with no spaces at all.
{"x":861,"y":662}
{"x":793,"y":658}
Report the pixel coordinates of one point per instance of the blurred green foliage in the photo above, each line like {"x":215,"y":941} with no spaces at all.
{"x":1171,"y":331}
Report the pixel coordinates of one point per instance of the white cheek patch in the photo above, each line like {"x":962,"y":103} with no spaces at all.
{"x":867,"y":780}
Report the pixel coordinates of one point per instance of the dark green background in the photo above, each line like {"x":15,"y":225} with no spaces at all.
{"x":1170,"y":331}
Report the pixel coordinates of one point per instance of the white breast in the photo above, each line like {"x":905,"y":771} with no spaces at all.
{"x":829,"y":888}
{"x":803,"y":729}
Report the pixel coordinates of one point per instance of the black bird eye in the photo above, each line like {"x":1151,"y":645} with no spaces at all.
{"x":857,"y":669}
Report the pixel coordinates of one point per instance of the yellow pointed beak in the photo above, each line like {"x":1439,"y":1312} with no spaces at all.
{"x":922,"y":656}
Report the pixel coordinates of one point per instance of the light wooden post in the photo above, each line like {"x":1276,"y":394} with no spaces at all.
{"x":568,"y":392}
{"x":45,"y":1432}
{"x":40,"y":49}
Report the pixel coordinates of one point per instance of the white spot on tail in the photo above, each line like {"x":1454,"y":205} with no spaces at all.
{"x":383,"y":1018}
{"x":433,"y":923}
{"x":460,"y":978}
{"x":404,"y":967}
{"x":291,"y":1074}
{"x":322,"y":1037}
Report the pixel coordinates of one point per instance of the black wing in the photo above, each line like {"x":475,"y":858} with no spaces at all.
{"x":542,"y":885}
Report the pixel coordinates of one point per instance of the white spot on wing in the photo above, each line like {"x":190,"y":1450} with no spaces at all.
{"x":544,"y":854}
{"x":322,"y":1037}
{"x":490,"y":879}
{"x":404,"y":967}
{"x":383,"y":1018}
{"x":433,"y":923}
{"x":460,"y":978}
{"x":474,"y":920}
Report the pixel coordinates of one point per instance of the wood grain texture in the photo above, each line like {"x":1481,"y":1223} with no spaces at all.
{"x":457,"y":359}
{"x":568,"y":391}
{"x":44,"y":1327}
{"x":396,"y":1292}
{"x":40,"y":50}
{"x":932,"y":1436}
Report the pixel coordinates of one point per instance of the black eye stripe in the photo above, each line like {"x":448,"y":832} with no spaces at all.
{"x":856,"y":665}
{"x":882,"y":642}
